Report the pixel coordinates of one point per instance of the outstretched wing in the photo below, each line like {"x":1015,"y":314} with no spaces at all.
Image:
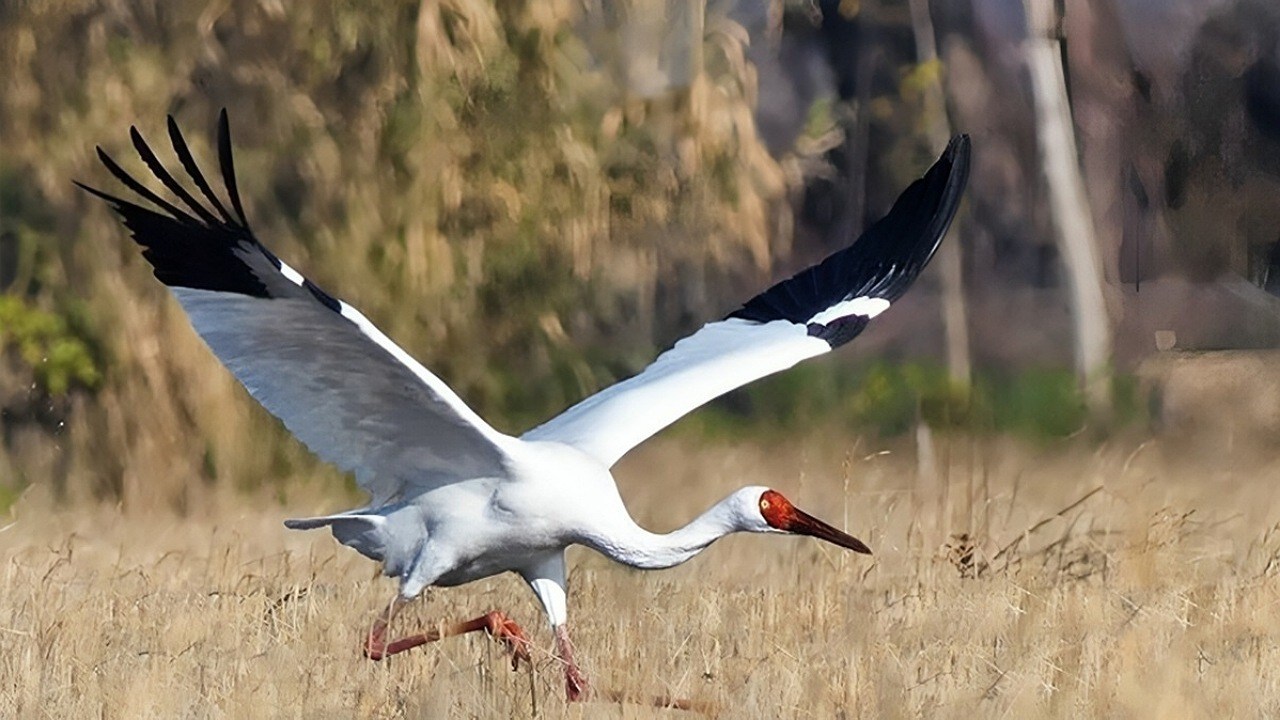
{"x":819,"y":309}
{"x":355,"y":398}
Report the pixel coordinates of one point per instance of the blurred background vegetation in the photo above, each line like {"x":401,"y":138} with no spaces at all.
{"x":535,"y":198}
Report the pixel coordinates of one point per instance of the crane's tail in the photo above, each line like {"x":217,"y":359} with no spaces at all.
{"x":364,"y":533}
{"x":394,"y":539}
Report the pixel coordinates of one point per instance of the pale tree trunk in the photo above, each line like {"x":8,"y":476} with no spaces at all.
{"x":1069,"y":206}
{"x":954,"y":312}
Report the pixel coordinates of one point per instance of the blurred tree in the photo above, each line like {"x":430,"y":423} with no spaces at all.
{"x":463,"y":171}
{"x":1071,"y":213}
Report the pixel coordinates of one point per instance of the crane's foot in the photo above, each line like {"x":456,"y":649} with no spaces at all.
{"x":502,"y":628}
{"x":575,"y":684}
{"x":495,"y":623}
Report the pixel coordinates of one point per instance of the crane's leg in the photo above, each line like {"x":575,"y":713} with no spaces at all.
{"x":496,"y":623}
{"x":546,"y":577}
{"x":575,"y":684}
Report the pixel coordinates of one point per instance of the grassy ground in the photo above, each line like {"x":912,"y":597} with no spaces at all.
{"x":1003,"y":589}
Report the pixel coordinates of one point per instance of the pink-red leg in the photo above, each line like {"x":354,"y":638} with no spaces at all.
{"x":497,"y":624}
{"x":500,"y":627}
{"x":575,"y":684}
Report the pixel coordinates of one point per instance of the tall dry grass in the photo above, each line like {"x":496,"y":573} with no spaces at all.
{"x":1004,"y":588}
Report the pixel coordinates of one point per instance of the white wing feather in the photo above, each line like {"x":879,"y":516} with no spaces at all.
{"x":714,"y":360}
{"x":354,"y":398}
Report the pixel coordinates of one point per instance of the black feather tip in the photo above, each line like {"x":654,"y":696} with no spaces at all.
{"x":882,"y":263}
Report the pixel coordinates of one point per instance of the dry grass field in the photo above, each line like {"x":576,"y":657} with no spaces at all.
{"x":1003,"y":589}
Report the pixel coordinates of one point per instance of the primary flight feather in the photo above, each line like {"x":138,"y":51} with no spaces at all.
{"x":451,"y":499}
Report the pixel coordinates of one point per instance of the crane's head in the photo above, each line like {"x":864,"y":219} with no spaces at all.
{"x":769,"y":511}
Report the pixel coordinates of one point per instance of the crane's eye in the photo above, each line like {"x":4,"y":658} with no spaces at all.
{"x":764,"y":504}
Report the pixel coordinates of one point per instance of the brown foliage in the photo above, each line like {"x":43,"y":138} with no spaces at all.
{"x":461,"y":171}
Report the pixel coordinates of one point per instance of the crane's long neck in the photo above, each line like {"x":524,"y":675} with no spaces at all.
{"x":630,"y":544}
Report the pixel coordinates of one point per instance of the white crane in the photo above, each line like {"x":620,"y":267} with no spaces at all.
{"x":451,"y":499}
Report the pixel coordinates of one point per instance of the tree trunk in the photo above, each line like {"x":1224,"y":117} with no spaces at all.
{"x":954,"y":312}
{"x":1069,"y":208}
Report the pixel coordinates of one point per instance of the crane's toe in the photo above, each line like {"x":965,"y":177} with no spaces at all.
{"x":503,"y":628}
{"x":575,"y":684}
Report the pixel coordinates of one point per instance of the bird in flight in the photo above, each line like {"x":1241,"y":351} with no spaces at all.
{"x":451,"y":499}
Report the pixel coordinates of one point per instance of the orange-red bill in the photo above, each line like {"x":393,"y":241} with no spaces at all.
{"x":802,"y":523}
{"x":782,"y":515}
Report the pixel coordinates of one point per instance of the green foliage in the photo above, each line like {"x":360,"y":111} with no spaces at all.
{"x":1037,"y":403}
{"x":54,"y":347}
{"x":1128,"y":404}
{"x":820,"y":119}
{"x":891,"y":398}
{"x":9,"y":494}
{"x":918,"y":79}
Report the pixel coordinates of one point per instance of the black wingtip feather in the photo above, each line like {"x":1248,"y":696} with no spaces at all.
{"x":228,"y":165}
{"x":884,"y":261}
{"x":141,"y":189}
{"x":204,"y":252}
{"x":193,"y":170}
{"x":182,"y":254}
{"x":158,"y":169}
{"x":200,"y":251}
{"x":93,"y":191}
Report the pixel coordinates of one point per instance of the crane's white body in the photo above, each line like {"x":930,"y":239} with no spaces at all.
{"x":552,"y":496}
{"x":453,"y":500}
